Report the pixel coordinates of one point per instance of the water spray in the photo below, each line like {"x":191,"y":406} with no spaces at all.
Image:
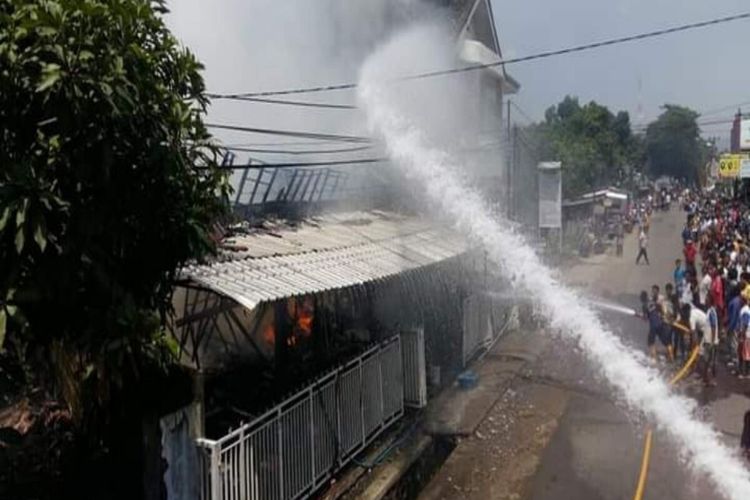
{"x":439,"y":177}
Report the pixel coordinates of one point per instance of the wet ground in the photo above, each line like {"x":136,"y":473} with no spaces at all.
{"x":560,"y":433}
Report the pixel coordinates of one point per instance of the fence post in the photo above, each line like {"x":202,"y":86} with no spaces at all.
{"x":312,"y":438}
{"x":216,"y":483}
{"x":244,"y":473}
{"x":279,"y":416}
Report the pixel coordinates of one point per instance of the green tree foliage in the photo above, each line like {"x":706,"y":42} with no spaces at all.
{"x":595,"y":146}
{"x":673,"y":144}
{"x":100,"y":199}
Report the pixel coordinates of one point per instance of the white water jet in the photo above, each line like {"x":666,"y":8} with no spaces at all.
{"x":439,"y":176}
{"x":627,"y":311}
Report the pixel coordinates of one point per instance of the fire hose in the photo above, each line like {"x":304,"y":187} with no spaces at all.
{"x":646,"y":458}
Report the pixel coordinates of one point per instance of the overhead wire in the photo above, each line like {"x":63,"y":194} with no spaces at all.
{"x":290,"y":133}
{"x":292,"y":152}
{"x":357,"y":161}
{"x":503,"y":62}
{"x":283,"y":102}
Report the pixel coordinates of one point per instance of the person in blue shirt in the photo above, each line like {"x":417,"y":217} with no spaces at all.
{"x":679,"y":275}
{"x":733,"y":322}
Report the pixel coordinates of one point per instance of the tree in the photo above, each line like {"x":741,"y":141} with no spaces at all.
{"x":673,"y":144}
{"x":594,"y":145}
{"x":108,"y":184}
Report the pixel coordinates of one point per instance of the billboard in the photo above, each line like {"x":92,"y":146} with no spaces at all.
{"x":550,"y":195}
{"x":729,"y":166}
{"x":745,"y":135}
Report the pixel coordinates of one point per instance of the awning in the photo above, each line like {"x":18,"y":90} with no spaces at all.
{"x":334,"y":253}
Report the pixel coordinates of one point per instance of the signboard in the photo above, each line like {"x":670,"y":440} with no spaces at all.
{"x":550,"y":195}
{"x":745,"y":168}
{"x":745,"y":135}
{"x":729,"y":166}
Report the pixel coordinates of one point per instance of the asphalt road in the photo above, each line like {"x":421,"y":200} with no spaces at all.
{"x":596,"y":451}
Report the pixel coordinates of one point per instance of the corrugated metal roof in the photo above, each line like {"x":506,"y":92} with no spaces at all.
{"x":326,"y":253}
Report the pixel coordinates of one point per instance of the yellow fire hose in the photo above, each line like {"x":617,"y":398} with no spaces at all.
{"x":645,"y":460}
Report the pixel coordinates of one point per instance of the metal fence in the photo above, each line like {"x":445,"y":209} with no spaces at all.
{"x":485,"y":319}
{"x":292,"y":449}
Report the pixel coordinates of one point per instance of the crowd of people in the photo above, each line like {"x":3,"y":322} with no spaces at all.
{"x":706,"y":304}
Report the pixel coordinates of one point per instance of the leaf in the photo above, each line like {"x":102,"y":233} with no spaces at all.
{"x":20,"y":240}
{"x":50,"y":75}
{"x":21,"y":214}
{"x":4,"y":219}
{"x":40,"y":237}
{"x":3,"y":325}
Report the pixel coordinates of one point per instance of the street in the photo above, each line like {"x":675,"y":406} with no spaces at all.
{"x":559,"y":432}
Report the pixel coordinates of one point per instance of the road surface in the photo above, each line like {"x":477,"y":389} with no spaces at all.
{"x":560,"y":432}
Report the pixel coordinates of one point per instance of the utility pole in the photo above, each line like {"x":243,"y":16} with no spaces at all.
{"x":509,"y":199}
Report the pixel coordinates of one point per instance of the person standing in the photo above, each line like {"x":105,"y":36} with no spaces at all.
{"x":743,"y":335}
{"x":678,"y":275}
{"x":642,"y":248}
{"x":690,"y":251}
{"x":704,"y":287}
{"x":699,"y":325}
{"x":710,"y":344}
{"x":671,"y":307}
{"x":717,"y":294}
{"x":745,"y":438}
{"x":733,"y":323}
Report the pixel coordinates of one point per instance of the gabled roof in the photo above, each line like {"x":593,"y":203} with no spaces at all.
{"x":475,"y":25}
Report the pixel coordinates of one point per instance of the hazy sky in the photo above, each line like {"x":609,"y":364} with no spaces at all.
{"x":705,"y":69}
{"x":250,"y":45}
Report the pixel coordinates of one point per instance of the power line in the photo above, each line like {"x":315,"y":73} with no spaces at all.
{"x":283,"y":102}
{"x":301,"y":164}
{"x":523,"y":113}
{"x":290,"y":133}
{"x":502,"y":62}
{"x":298,"y":152}
{"x":722,"y":109}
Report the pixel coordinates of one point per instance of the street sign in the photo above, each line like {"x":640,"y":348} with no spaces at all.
{"x":729,"y":166}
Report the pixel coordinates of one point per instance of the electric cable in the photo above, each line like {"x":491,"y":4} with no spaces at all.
{"x":299,"y":164}
{"x":290,"y":133}
{"x":503,"y":62}
{"x":283,"y":102}
{"x":290,"y":152}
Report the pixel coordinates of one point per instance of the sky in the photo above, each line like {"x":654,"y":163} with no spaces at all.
{"x":705,"y":69}
{"x":252,"y":45}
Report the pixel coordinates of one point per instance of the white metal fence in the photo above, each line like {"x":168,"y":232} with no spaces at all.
{"x":414,"y":368}
{"x":485,"y":319}
{"x":293,"y":448}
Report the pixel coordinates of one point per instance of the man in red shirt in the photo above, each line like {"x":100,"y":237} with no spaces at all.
{"x":717,"y":293}
{"x":690,"y":251}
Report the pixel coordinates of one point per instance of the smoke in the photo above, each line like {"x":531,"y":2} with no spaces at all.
{"x":398,"y":117}
{"x":271,"y":45}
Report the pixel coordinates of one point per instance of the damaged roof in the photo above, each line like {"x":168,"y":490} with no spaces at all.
{"x":334,"y":251}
